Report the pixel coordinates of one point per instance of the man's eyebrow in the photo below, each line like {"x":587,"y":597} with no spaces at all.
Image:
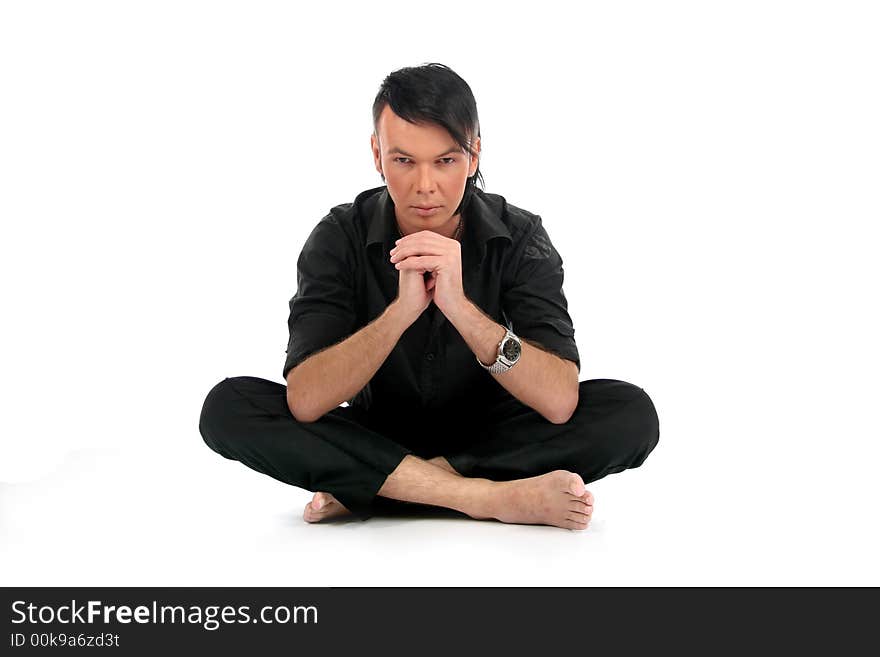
{"x":395,"y":149}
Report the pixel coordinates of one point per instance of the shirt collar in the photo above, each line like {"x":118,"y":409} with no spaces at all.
{"x":482,"y":221}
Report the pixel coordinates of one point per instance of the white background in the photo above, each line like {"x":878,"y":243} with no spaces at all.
{"x":708,"y":171}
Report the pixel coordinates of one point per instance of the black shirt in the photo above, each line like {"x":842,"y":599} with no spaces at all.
{"x":345,"y":279}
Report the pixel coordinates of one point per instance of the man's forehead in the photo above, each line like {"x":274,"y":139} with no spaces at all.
{"x":397,"y":135}
{"x":393,"y":150}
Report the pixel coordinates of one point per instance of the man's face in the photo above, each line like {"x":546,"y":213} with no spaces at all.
{"x":423,"y":166}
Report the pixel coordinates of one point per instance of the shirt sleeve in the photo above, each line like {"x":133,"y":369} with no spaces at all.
{"x":534,"y":303}
{"x":322,"y":310}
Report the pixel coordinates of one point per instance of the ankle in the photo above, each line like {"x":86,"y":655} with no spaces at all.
{"x":441,"y":462}
{"x":484,"y":501}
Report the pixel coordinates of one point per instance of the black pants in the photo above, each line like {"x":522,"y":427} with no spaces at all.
{"x":349,"y":453}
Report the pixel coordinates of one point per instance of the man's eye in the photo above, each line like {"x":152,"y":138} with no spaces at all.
{"x":445,"y":160}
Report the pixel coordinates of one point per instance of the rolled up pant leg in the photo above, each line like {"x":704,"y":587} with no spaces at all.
{"x":247,"y":419}
{"x":614,"y":427}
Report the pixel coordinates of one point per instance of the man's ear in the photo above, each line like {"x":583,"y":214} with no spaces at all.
{"x":377,"y":154}
{"x":475,"y":159}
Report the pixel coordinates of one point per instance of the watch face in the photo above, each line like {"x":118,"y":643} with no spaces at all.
{"x":511,"y":350}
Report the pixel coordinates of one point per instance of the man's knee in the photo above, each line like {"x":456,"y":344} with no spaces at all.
{"x":646,"y":432}
{"x":216,"y":415}
{"x":630,"y":420}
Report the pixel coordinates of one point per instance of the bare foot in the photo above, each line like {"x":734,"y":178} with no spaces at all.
{"x":323,"y":507}
{"x":557,"y":498}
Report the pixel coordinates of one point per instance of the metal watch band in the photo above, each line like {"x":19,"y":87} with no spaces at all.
{"x":501,"y":364}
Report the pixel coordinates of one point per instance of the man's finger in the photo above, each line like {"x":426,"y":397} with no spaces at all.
{"x":419,"y":263}
{"x":417,"y":249}
{"x":429,"y":235}
{"x":426,"y":240}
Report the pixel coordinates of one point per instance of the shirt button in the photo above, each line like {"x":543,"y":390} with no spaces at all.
{"x":429,"y":356}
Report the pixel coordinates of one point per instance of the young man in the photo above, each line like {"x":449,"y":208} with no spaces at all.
{"x":436,"y":309}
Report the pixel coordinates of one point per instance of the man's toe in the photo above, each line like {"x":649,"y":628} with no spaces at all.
{"x":576,"y":485}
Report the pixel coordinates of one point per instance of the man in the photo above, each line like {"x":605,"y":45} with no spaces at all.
{"x":436,"y":309}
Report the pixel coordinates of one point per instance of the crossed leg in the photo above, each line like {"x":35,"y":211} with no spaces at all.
{"x":514,"y":466}
{"x":324,"y":506}
{"x":557,"y":498}
{"x":614,"y":427}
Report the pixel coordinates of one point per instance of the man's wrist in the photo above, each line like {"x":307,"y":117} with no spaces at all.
{"x":494,"y":337}
{"x":396,"y":320}
{"x":480,"y":332}
{"x":460,"y":311}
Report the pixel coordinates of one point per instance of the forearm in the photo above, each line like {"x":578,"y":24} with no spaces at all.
{"x":540,"y":380}
{"x":326,"y":379}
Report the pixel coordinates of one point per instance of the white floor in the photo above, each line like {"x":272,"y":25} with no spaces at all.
{"x":118,"y":518}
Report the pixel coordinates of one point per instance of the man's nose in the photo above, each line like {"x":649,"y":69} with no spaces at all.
{"x":426,"y":179}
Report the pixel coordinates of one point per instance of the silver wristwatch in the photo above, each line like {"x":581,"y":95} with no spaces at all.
{"x":509,"y":350}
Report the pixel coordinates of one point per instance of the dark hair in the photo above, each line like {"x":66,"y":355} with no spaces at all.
{"x":434,"y":93}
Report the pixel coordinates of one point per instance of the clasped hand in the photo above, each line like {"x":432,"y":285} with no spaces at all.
{"x":440,"y":257}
